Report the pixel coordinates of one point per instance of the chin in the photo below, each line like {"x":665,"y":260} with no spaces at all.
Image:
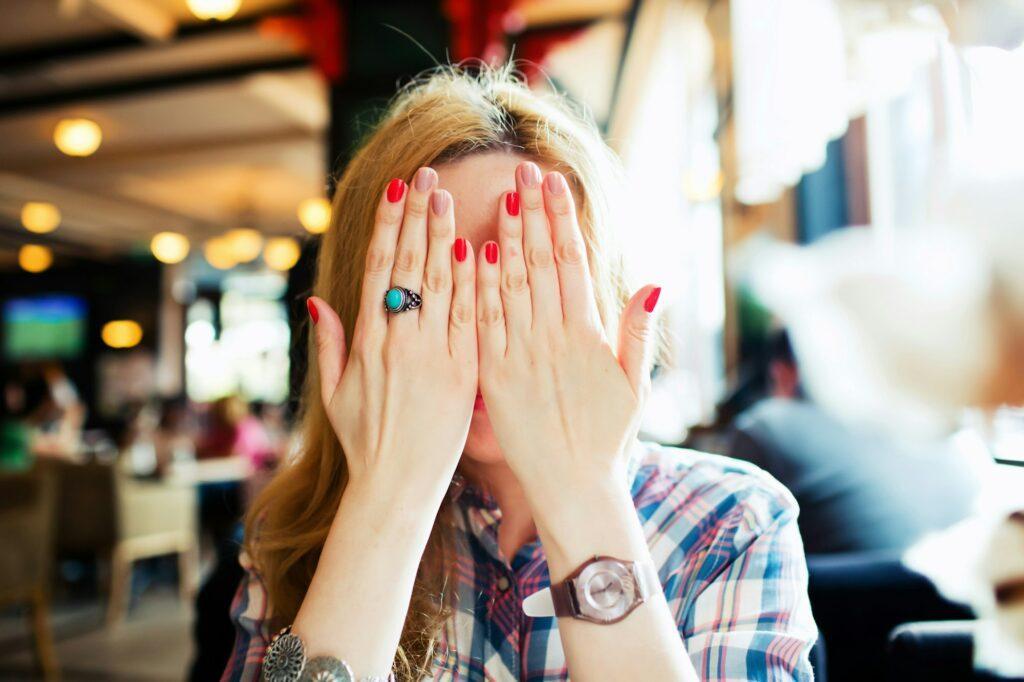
{"x":481,"y":445}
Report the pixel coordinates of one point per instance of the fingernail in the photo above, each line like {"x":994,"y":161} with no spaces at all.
{"x":439,"y":202}
{"x":396,"y":188}
{"x":652,"y":299}
{"x":460,"y":249}
{"x":424,"y":179}
{"x":555,"y":183}
{"x":314,"y":314}
{"x":512,"y":203}
{"x":529,"y":173}
{"x":491,"y":252}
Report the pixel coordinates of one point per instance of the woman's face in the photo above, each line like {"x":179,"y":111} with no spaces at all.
{"x":476,"y":183}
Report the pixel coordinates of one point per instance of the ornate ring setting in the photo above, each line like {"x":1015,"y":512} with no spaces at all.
{"x":400,"y":299}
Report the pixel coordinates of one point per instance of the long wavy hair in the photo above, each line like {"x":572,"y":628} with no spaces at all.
{"x":441,"y":116}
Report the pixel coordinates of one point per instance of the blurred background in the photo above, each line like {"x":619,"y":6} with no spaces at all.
{"x":165,"y":171}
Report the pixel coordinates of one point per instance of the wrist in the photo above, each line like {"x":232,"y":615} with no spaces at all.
{"x":598,"y":518}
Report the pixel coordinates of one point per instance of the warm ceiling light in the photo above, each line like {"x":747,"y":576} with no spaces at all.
{"x":219,"y":253}
{"x":245,"y":243}
{"x":77,"y":136}
{"x":315,"y":215}
{"x":169,"y":247}
{"x":40,"y":217}
{"x":214,"y":9}
{"x":34,"y":258}
{"x":121,"y":333}
{"x":281,"y":253}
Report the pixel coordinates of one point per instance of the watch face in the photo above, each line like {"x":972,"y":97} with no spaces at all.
{"x":606,"y":589}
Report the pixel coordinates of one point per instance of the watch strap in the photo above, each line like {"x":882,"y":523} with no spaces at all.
{"x":563,"y":598}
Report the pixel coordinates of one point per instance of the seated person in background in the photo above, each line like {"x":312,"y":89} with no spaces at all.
{"x":857,"y":489}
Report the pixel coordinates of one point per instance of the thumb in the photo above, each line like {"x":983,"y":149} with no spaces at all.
{"x":329,"y":336}
{"x":636,"y":334}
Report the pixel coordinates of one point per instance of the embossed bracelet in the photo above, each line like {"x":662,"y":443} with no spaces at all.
{"x":286,"y":661}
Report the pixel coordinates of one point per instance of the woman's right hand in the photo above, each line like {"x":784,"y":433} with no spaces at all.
{"x":400,"y":396}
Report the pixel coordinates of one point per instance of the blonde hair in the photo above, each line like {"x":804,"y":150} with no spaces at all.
{"x":444,"y":115}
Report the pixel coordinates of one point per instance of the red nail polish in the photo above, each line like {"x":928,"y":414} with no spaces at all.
{"x":314,"y":314}
{"x":491,"y":252}
{"x":512,"y":203}
{"x":396,"y":188}
{"x":460,"y":249}
{"x":652,"y":299}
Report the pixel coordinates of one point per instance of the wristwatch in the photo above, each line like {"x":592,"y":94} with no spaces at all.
{"x":602,"y":590}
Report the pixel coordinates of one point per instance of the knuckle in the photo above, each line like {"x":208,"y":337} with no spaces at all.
{"x":532,"y":201}
{"x":437,"y":281}
{"x":490,"y":315}
{"x":561,"y":206}
{"x":416,"y":208}
{"x":378,"y":260}
{"x":570,"y":253}
{"x":389,"y":214}
{"x":639,"y":332}
{"x":407,"y":261}
{"x":462,"y":314}
{"x":439,"y":229}
{"x":539,"y":257}
{"x":514,"y":282}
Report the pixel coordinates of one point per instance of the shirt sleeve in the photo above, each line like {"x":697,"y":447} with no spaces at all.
{"x":751,"y":617}
{"x":249,"y":613}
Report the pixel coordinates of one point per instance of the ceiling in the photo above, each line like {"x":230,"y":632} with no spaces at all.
{"x":212,"y":127}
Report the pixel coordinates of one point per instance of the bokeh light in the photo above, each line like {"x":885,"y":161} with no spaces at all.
{"x":121,"y":333}
{"x":169,"y":247}
{"x":77,"y":136}
{"x":315,"y":215}
{"x":40,"y":217}
{"x":281,"y":253}
{"x":34,"y":257}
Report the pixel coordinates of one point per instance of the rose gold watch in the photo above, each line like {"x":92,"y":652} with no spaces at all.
{"x":602,"y":590}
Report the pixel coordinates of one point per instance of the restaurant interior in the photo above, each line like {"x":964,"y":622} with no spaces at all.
{"x":839,"y":234}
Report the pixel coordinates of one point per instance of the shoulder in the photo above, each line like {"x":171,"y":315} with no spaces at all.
{"x":698,"y":497}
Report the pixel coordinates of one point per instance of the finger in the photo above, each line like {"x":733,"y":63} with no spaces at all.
{"x":411,"y":253}
{"x":578,"y":304}
{"x":437,"y":277}
{"x":515,"y":287}
{"x":636,"y":337}
{"x":331,"y":353}
{"x":537,"y":248}
{"x":462,"y":323}
{"x":372,"y":321}
{"x":490,"y":315}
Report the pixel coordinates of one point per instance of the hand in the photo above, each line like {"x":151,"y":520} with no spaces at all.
{"x":401,"y":398}
{"x":563,"y":406}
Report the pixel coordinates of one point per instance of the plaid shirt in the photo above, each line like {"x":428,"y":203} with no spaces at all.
{"x":722,"y":533}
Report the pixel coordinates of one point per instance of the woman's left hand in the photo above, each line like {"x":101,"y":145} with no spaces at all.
{"x":564,"y":407}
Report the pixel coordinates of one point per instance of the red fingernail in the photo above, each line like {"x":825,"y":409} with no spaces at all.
{"x":396,"y":188}
{"x":460,"y":249}
{"x":512,"y":203}
{"x":491,"y":252}
{"x":314,"y":314}
{"x":652,"y":299}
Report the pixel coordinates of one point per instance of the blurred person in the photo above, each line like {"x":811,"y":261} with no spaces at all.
{"x":23,"y":406}
{"x":466,"y":444}
{"x":858,"y":489}
{"x":233,"y":431}
{"x":175,"y":436}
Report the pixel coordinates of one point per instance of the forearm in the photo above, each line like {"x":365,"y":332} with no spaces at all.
{"x":357,"y":600}
{"x":600,"y":519}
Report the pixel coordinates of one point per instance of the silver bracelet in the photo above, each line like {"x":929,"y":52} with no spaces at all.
{"x":285,"y":661}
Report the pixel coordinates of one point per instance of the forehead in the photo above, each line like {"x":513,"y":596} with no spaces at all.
{"x":476,"y":183}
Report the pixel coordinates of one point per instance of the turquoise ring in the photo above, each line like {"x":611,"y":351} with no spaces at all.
{"x":399,"y":299}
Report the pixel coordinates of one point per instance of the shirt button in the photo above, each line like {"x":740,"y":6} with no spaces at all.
{"x":503,"y":583}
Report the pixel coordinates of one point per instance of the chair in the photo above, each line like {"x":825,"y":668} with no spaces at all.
{"x":104,"y":511}
{"x":26,"y":536}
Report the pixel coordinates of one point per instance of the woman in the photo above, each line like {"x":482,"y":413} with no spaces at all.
{"x":414,"y":522}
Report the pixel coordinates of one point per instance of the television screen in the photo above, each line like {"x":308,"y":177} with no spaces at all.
{"x":44,"y":327}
